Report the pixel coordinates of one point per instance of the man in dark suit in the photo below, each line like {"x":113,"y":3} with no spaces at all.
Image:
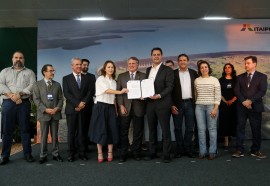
{"x":184,"y":106}
{"x":130,"y":110}
{"x":159,"y":105}
{"x":88,"y":107}
{"x":48,"y":97}
{"x":250,"y":88}
{"x":77,"y":91}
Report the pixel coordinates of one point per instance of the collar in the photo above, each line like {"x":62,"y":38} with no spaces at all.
{"x":157,"y":67}
{"x":76,"y":74}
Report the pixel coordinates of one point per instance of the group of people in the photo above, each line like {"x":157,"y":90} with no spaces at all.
{"x":197,"y":97}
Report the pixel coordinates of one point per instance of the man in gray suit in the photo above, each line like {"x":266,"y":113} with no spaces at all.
{"x":48,"y":97}
{"x":130,"y":110}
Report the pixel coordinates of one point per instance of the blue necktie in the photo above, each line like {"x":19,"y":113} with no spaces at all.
{"x":78,"y":81}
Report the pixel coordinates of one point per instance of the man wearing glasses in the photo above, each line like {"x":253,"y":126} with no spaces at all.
{"x":48,"y":97}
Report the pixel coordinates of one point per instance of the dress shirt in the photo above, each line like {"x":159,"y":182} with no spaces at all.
{"x":154,"y":71}
{"x":17,"y":81}
{"x":185,"y":83}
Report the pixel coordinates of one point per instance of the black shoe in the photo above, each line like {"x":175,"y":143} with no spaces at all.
{"x":122,"y":158}
{"x":150,"y":157}
{"x":71,"y":159}
{"x":4,"y":161}
{"x":83,"y":157}
{"x":42,"y":160}
{"x":190,"y":154}
{"x":144,"y":147}
{"x":29,"y":158}
{"x":137,"y":157}
{"x":166,"y":159}
{"x":58,"y":158}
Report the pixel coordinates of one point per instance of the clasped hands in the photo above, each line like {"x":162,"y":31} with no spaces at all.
{"x":14,"y":97}
{"x":80,"y":106}
{"x":51,"y":111}
{"x":247,"y":103}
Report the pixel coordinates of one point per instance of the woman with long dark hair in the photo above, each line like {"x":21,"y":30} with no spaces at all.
{"x":227,"y":108}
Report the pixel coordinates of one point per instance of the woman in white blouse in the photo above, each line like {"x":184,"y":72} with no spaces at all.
{"x":103,"y":126}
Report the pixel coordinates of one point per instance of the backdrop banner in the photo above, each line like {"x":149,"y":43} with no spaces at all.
{"x":217,"y":42}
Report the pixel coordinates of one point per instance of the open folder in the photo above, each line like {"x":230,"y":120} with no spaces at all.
{"x":138,"y":89}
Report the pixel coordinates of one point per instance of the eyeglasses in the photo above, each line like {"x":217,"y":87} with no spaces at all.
{"x":51,"y":71}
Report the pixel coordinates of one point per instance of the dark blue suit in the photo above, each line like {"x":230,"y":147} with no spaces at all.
{"x":76,"y":119}
{"x":255,"y":92}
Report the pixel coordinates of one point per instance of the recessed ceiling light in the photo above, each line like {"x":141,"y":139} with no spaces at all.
{"x":91,"y":19}
{"x":216,"y":18}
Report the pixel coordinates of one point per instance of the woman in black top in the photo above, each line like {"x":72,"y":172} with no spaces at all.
{"x":227,"y":108}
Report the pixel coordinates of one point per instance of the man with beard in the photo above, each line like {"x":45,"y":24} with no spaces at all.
{"x":89,"y":106}
{"x":16,"y":85}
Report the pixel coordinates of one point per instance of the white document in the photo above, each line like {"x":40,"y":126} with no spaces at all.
{"x":147,"y":87}
{"x":134,"y":89}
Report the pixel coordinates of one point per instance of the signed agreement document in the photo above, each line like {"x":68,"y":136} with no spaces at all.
{"x":134,"y":89}
{"x":138,"y":89}
{"x":148,"y":88}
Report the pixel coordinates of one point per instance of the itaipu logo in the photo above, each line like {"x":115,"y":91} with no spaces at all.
{"x":256,"y":29}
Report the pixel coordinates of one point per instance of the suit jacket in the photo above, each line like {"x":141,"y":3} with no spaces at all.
{"x":137,"y":104}
{"x":255,"y":92}
{"x":40,"y":93}
{"x":163,"y":85}
{"x":74,"y":95}
{"x":92,"y":81}
{"x":177,"y":90}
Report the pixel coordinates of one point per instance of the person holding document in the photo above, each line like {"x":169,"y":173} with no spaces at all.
{"x":159,"y":105}
{"x":103,"y":127}
{"x":130,"y":110}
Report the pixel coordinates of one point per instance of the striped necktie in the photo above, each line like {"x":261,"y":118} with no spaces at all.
{"x":49,"y":85}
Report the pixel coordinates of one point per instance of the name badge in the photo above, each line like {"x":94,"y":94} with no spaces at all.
{"x":50,"y":97}
{"x":229,"y":85}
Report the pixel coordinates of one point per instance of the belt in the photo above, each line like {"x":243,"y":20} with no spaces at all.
{"x":187,"y":100}
{"x":25,"y":99}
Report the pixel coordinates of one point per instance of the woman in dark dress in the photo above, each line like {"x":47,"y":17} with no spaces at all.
{"x":227,"y":108}
{"x":103,"y":127}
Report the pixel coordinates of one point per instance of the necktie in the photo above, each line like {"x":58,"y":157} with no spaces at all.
{"x":132,"y":76}
{"x":49,"y":85}
{"x":249,"y":79}
{"x":78,"y":81}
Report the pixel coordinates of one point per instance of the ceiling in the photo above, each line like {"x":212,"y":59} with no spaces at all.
{"x":19,"y":13}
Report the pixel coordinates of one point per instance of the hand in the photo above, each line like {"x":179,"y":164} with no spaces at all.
{"x":156,"y":96}
{"x":15,"y":97}
{"x":174,"y":110}
{"x":247,"y":103}
{"x":124,"y":90}
{"x":229,"y":103}
{"x":50,"y":111}
{"x":19,"y":101}
{"x":81,"y":105}
{"x":213,"y":113}
{"x":123,"y":109}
